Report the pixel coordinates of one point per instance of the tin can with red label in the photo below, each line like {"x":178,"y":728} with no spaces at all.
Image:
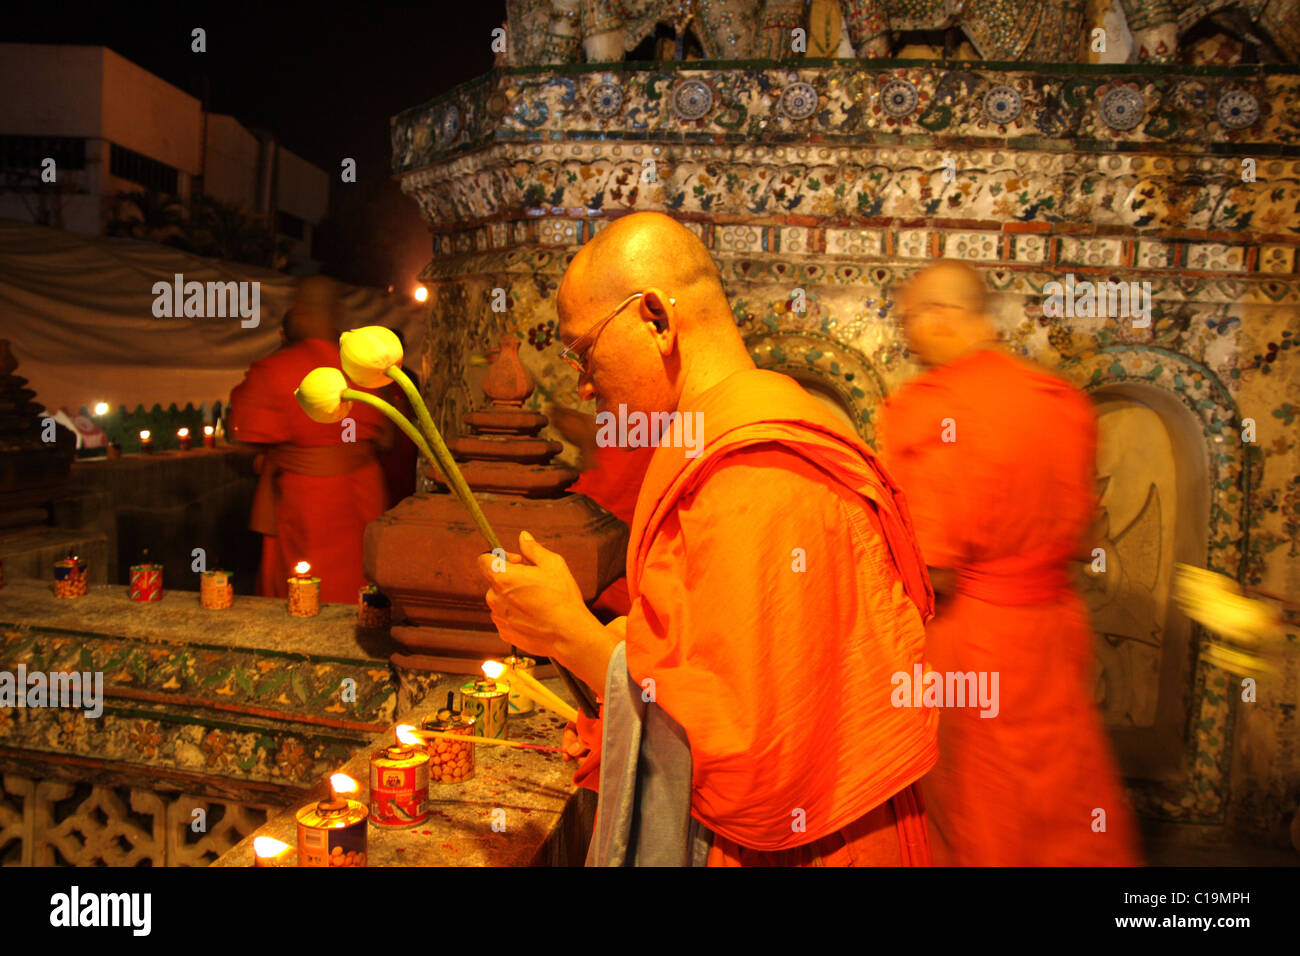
{"x":399,"y":787}
{"x":332,"y":833}
{"x":146,"y":582}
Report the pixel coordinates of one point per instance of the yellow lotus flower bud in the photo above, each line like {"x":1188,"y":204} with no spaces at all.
{"x":367,"y":353}
{"x":321,"y":395}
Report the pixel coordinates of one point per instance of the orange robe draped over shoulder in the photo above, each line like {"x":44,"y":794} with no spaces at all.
{"x":776,"y":587}
{"x":997,"y":460}
{"x":320,"y":519}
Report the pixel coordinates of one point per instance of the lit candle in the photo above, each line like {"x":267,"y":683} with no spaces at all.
{"x":183,"y":435}
{"x":399,"y":782}
{"x":304,"y":592}
{"x":268,"y":851}
{"x":146,"y":442}
{"x":209,"y":437}
{"x":333,"y":832}
{"x":487,"y":701}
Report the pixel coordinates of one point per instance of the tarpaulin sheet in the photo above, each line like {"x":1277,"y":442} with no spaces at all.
{"x":79,"y":314}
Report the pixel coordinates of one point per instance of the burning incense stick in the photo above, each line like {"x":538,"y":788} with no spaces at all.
{"x":487,"y":741}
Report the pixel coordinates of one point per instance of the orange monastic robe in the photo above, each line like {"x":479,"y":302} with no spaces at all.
{"x":996,"y":458}
{"x":776,"y":587}
{"x":319,"y":517}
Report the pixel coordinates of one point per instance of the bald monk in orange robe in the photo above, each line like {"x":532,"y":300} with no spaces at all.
{"x":996,"y":457}
{"x":316,"y":492}
{"x":776,"y":585}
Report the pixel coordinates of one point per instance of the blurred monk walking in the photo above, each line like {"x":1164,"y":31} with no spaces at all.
{"x":775,"y":583}
{"x":319,"y":484}
{"x":996,"y":457}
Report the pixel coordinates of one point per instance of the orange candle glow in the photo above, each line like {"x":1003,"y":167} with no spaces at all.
{"x":304,"y":592}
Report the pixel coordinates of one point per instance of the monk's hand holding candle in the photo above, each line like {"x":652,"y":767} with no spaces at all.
{"x":537,"y":607}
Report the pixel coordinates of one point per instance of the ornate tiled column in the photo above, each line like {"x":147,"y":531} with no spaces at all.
{"x":821,"y":185}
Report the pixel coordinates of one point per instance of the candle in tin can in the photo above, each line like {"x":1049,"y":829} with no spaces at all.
{"x":449,"y":761}
{"x":373,"y":608}
{"x":146,"y":442}
{"x":519,"y":703}
{"x":146,"y":582}
{"x":399,"y":782}
{"x":209,"y":437}
{"x":304,"y":592}
{"x":69,"y":577}
{"x":333,"y":832}
{"x":268,"y":851}
{"x":183,"y":436}
{"x":487,"y":701}
{"x":215,"y":590}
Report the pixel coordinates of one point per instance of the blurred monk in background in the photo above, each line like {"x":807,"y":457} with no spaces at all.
{"x":774,"y":579}
{"x":319,"y":484}
{"x":996,"y":457}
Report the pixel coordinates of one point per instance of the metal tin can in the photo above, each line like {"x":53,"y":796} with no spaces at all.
{"x":519,"y":703}
{"x":399,"y":787}
{"x":373,"y":608}
{"x":146,"y":582}
{"x":449,"y":761}
{"x":332,"y":833}
{"x":215,"y":590}
{"x":304,"y":597}
{"x":69,"y":578}
{"x":488,"y":703}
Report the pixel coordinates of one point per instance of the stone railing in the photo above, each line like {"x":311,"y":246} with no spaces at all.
{"x":209,"y":719}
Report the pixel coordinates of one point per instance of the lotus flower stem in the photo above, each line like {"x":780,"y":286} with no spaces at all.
{"x":398,"y":419}
{"x":449,"y":467}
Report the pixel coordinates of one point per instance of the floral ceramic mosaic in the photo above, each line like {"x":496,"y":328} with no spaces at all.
{"x":1027,"y":174}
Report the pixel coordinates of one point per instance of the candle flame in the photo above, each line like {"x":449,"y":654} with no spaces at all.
{"x":493,"y":669}
{"x":144,"y":435}
{"x":406,"y":735}
{"x":265,"y":846}
{"x":302,"y":567}
{"x":421,"y":293}
{"x":182,"y":433}
{"x":101,"y":408}
{"x":342,"y":783}
{"x":207,"y":429}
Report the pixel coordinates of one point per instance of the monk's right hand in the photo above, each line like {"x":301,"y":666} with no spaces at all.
{"x":572,"y":747}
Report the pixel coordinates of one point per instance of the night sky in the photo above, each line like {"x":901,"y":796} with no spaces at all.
{"x":323,"y":78}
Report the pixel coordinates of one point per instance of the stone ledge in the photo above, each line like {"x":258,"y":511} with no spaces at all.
{"x":547,"y":819}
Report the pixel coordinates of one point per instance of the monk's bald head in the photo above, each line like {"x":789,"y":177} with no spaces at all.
{"x":315,"y":312}
{"x":945,"y":313}
{"x":639,"y":252}
{"x":673,"y":339}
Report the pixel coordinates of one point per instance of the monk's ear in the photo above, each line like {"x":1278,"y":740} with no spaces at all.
{"x":660,"y":311}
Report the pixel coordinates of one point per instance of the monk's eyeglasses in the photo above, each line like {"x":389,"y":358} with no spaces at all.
{"x":578,"y":360}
